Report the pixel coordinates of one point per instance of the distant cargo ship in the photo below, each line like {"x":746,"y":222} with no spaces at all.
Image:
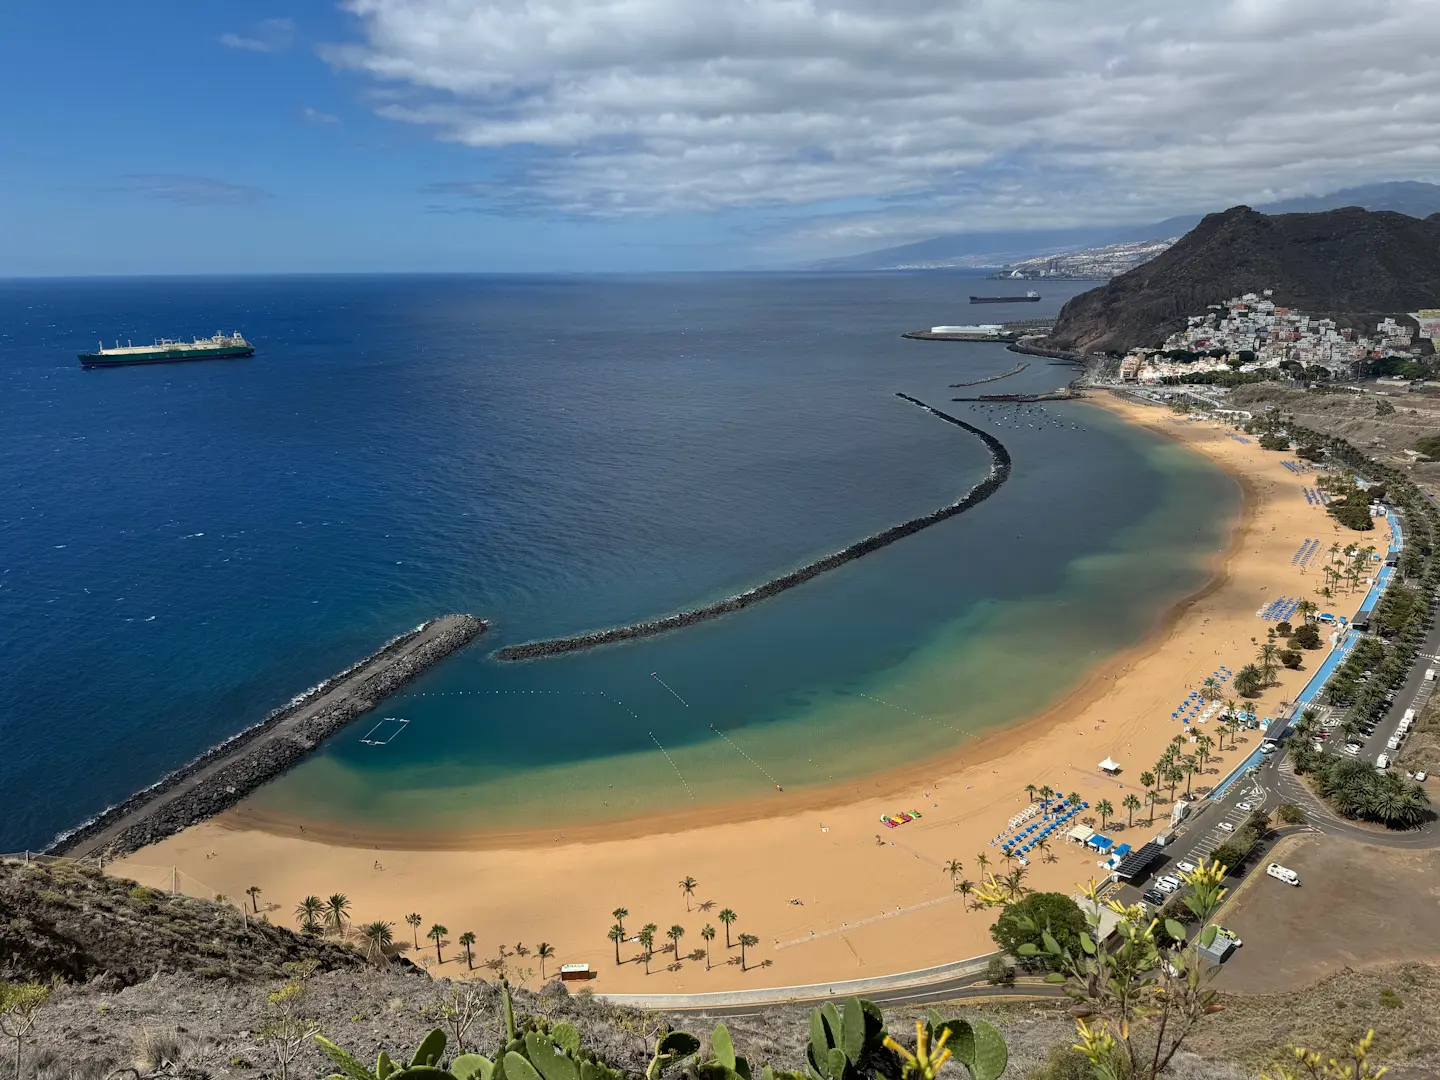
{"x":1029,"y":298}
{"x":166,"y":351}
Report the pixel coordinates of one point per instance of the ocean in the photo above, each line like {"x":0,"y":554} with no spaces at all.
{"x":184,"y":547}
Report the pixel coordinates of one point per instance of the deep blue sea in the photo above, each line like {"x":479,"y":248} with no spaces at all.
{"x":185,"y":546}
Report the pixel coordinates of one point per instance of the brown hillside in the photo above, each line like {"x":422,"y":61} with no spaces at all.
{"x":1348,"y":260}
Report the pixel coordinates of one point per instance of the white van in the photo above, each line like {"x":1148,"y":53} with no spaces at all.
{"x":1283,"y":873}
{"x":1430,"y":674}
{"x":1393,"y":743}
{"x":1382,"y":762}
{"x":1409,"y":717}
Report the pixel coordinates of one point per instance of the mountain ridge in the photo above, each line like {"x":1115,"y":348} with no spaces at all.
{"x":994,"y":248}
{"x":1344,"y":260}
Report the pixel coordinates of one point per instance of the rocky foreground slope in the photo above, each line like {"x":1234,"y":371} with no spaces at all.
{"x":1348,"y":260}
{"x":150,"y":986}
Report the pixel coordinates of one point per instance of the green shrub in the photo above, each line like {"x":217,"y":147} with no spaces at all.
{"x":1063,"y":1063}
{"x":999,"y":973}
{"x":141,"y":893}
{"x":1056,"y":911}
{"x":1290,"y":814}
{"x":1390,"y":999}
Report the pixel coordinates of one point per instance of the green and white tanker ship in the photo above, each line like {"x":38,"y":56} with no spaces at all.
{"x":166,"y":351}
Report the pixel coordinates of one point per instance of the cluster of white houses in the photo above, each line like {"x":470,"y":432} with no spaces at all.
{"x":1252,"y":332}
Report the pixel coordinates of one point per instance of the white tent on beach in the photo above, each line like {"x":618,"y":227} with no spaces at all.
{"x":1110,"y":765}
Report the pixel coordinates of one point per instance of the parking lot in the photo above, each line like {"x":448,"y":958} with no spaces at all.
{"x":1356,"y":905}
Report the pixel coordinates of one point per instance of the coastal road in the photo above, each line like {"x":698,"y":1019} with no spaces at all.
{"x":958,"y":989}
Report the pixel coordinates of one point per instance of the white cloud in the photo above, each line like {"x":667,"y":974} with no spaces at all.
{"x":269,"y":36}
{"x":318,"y":116}
{"x":914,"y":116}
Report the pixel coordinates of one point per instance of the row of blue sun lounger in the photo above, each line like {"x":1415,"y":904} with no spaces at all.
{"x":1315,"y":496}
{"x":1279,"y":610}
{"x":1240,"y":438}
{"x":1307,"y":551}
{"x":1023,"y":840}
{"x":1295,"y":466}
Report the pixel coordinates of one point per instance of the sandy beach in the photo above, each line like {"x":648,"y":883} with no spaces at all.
{"x":829,"y":892}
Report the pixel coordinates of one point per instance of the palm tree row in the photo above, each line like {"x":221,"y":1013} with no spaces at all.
{"x":646,"y":936}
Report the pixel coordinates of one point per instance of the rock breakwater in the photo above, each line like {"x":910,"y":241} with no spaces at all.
{"x":993,"y":378}
{"x":225,"y":774}
{"x":999,"y":472}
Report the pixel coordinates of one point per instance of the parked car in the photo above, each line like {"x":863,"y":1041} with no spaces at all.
{"x":1382,"y":762}
{"x":1283,"y":873}
{"x":1185,"y":866}
{"x":1168,"y":885}
{"x":1245,"y":807}
{"x":1352,"y":748}
{"x":1420,"y":776}
{"x":1225,"y":932}
{"x":1154,"y":897}
{"x":1225,"y":826}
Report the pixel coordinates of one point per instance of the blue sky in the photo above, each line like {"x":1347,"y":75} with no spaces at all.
{"x":147,"y":145}
{"x":555,"y":135}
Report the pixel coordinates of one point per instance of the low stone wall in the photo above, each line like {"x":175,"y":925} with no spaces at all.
{"x":236,"y":767}
{"x":999,"y":473}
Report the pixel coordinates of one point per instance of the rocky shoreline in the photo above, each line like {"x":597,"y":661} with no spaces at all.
{"x":227,"y":773}
{"x":999,"y":472}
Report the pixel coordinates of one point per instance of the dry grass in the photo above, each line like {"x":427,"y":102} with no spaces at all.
{"x":1352,"y":417}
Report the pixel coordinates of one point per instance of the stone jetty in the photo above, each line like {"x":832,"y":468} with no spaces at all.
{"x":224,"y":775}
{"x":998,"y":474}
{"x":993,"y":378}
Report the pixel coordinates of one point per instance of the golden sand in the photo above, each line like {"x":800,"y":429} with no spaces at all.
{"x":829,"y":892}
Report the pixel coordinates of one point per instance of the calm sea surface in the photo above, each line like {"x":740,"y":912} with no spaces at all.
{"x":183,"y":547}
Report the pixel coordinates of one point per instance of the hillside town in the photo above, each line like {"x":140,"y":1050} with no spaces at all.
{"x":1253,"y":333}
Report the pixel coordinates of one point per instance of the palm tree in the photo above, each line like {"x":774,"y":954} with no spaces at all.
{"x":1210,"y":689}
{"x":1030,"y":790}
{"x":544,"y":951}
{"x":965,"y":887}
{"x":1266,"y":656}
{"x":1306,"y":609}
{"x":378,"y":938}
{"x":1047,"y":792}
{"x":749,"y":940}
{"x":414,"y":920}
{"x":308,"y":911}
{"x":253,"y":891}
{"x":708,"y":933}
{"x":467,"y":939}
{"x":1074,"y":798}
{"x":617,"y":935}
{"x":620,"y":914}
{"x":982,"y":860}
{"x":337,"y":913}
{"x":687,"y":886}
{"x":437,"y":934}
{"x":727,"y":917}
{"x":1152,"y":797}
{"x":1104,"y":808}
{"x":1147,"y":779}
{"x":647,"y":944}
{"x":1191,"y":767}
{"x":1131,"y":803}
{"x":675,"y":933}
{"x":954,"y":869}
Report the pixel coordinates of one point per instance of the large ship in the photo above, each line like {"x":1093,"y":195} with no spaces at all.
{"x":1029,"y":298}
{"x":166,"y":351}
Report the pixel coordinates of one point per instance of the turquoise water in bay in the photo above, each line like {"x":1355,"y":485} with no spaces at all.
{"x":186,"y":546}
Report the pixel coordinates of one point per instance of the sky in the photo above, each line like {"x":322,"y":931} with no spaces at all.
{"x":193,"y":136}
